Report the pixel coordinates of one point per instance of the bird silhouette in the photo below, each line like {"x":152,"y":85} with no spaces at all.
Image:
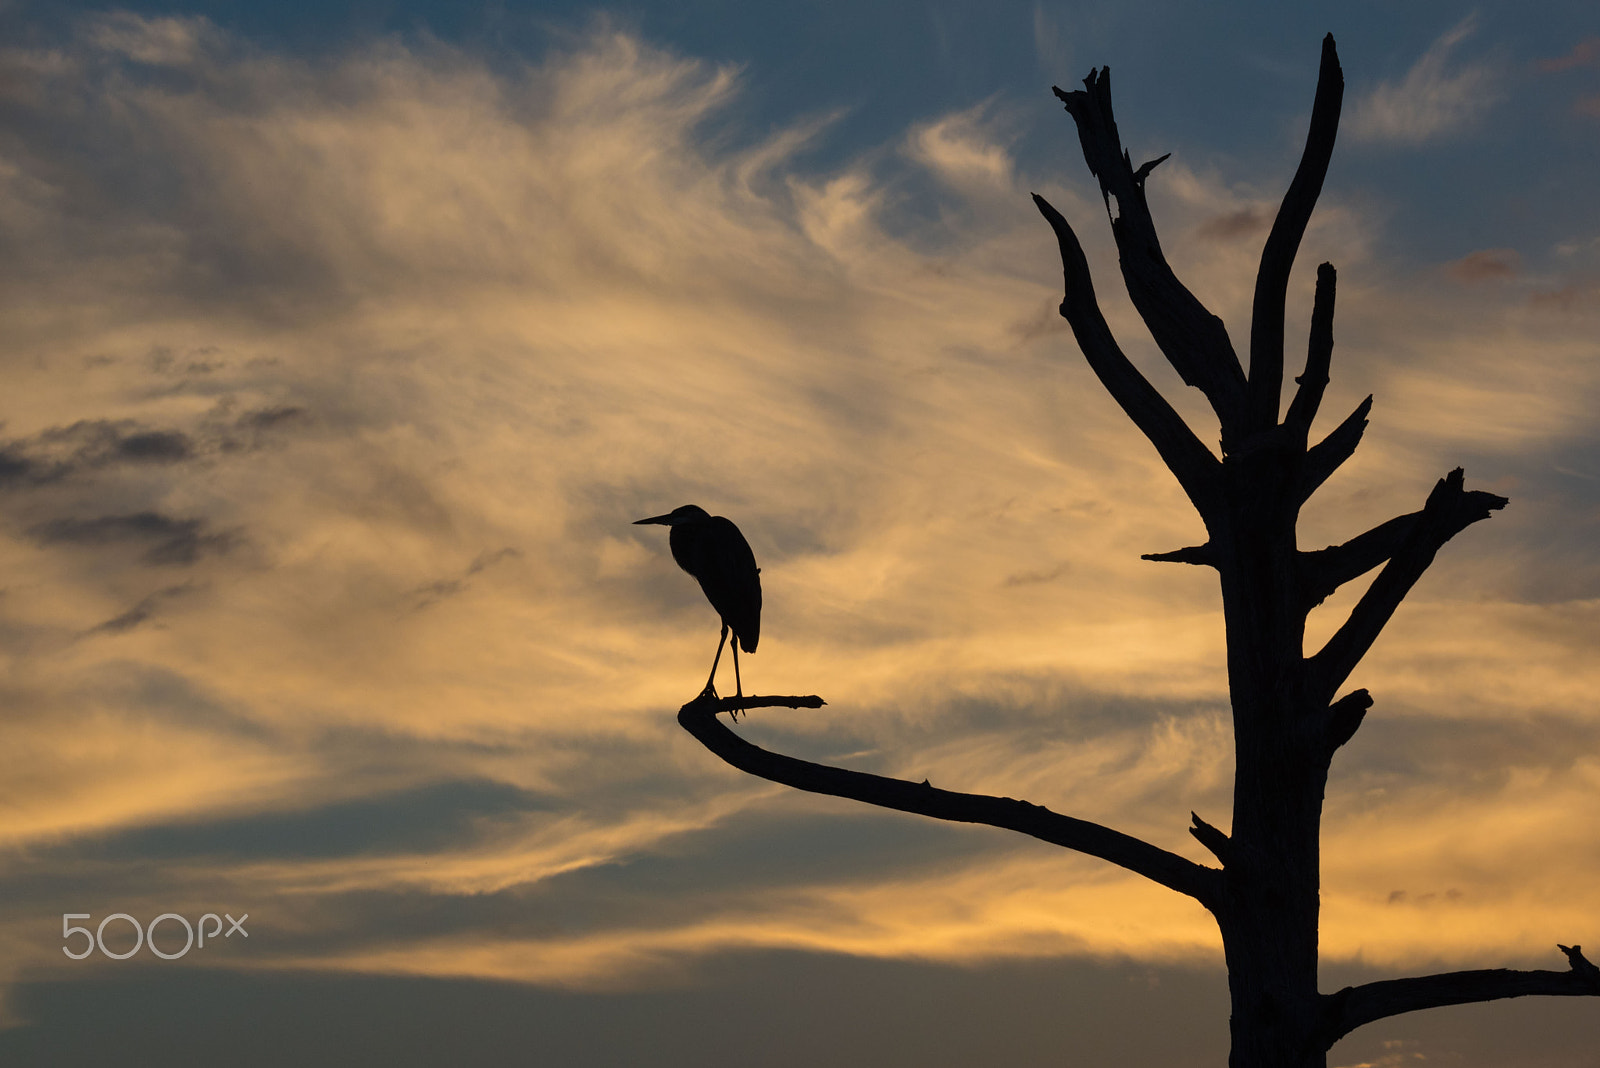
{"x":711,"y":549}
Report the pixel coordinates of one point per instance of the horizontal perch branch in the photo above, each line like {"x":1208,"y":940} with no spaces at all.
{"x":742,"y":704}
{"x":699,"y":718}
{"x":1353,"y":1007}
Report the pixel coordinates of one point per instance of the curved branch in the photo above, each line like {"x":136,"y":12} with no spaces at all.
{"x":1277,"y":257}
{"x":699,"y":718}
{"x":1193,"y":340}
{"x":1353,"y":1007}
{"x":1189,"y":460}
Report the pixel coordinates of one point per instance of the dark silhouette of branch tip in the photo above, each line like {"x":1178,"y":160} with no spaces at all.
{"x":1283,"y":243}
{"x":1220,"y":845}
{"x":1200,"y":555}
{"x":1354,"y":1007}
{"x":1579,"y":963}
{"x":1319,"y":356}
{"x":1325,"y":457}
{"x":1345,"y":716}
{"x":1144,"y":169}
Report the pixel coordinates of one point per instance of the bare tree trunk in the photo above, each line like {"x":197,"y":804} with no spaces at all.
{"x":1269,"y":908}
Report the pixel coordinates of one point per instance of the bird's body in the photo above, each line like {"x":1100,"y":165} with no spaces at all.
{"x":712,"y":549}
{"x":715,"y":553}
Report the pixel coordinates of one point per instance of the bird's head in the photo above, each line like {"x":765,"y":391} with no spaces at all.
{"x":689,"y":513}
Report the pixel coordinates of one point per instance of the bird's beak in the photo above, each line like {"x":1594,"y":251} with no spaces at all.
{"x":664,"y":520}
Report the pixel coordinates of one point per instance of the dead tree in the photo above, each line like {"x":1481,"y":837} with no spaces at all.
{"x":1288,"y":716}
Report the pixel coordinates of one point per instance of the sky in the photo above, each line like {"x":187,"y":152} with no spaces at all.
{"x":343,"y":342}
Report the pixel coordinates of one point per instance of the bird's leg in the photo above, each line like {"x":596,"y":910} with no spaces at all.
{"x":738,"y":687}
{"x":712,"y":678}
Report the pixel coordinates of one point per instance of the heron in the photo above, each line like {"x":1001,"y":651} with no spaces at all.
{"x":711,"y":549}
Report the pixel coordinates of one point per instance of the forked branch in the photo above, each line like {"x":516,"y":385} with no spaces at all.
{"x":699,"y":718}
{"x":1353,"y":1007}
{"x":1325,"y":570}
{"x":1449,"y":510}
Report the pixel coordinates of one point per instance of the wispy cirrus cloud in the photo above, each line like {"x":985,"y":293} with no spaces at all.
{"x":404,"y":310}
{"x":1435,"y":99}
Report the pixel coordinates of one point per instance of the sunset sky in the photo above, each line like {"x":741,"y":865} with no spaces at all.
{"x":343,"y":342}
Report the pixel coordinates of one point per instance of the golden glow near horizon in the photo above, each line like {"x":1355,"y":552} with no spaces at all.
{"x":434,"y":334}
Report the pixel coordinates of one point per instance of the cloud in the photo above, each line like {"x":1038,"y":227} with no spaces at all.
{"x":161,"y":42}
{"x":1435,"y":99}
{"x":1246,"y":222}
{"x":89,"y":444}
{"x":959,"y":148}
{"x":141,"y":612}
{"x":176,"y":541}
{"x":86,"y":446}
{"x":1574,"y":296}
{"x":426,"y":330}
{"x":1583,"y":53}
{"x":434,"y":818}
{"x":1485,"y":265}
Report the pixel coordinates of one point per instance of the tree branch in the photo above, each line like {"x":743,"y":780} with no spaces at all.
{"x":1343,"y":718}
{"x":744,"y":704}
{"x":1449,"y":510}
{"x":1220,"y":844}
{"x":1189,"y":460}
{"x":1324,"y":458}
{"x":1354,"y":1007}
{"x":699,"y":718}
{"x":1199,"y":555}
{"x":1277,"y":257}
{"x":1319,"y":353}
{"x":1193,"y":340}
{"x":1325,"y":570}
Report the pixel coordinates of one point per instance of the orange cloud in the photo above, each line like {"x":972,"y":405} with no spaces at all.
{"x":1583,"y":53}
{"x":1485,"y":264}
{"x":514,"y":313}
